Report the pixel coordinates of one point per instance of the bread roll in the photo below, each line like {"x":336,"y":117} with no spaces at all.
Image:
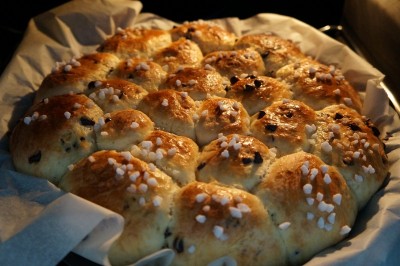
{"x":211,"y":221}
{"x":208,"y":36}
{"x":286,"y":125}
{"x":319,"y":85}
{"x":144,"y":72}
{"x":171,"y":111}
{"x":54,"y":133}
{"x":130,"y":187}
{"x":75,"y":76}
{"x":235,"y":160}
{"x":175,"y":155}
{"x":198,"y":82}
{"x":220,"y":116}
{"x":275,"y":50}
{"x":235,"y":63}
{"x":136,"y":42}
{"x":257,"y":92}
{"x":351,"y":142}
{"x":121,"y":129}
{"x":180,"y":53}
{"x":309,"y":202}
{"x":115,"y":94}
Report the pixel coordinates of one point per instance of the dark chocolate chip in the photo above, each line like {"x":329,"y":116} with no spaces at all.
{"x":248,"y":88}
{"x":257,"y":158}
{"x":354,"y":127}
{"x":258,"y":83}
{"x":338,"y":116}
{"x":234,"y":79}
{"x":82,"y":138}
{"x":227,"y":88}
{"x":86,"y":121}
{"x":35,"y":158}
{"x":271,"y":127}
{"x":108,"y":119}
{"x":247,"y":160}
{"x":91,"y":85}
{"x":261,"y":114}
{"x":251,"y":77}
{"x":289,"y":114}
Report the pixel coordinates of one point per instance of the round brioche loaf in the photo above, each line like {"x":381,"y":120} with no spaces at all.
{"x":207,"y":143}
{"x":54,"y":134}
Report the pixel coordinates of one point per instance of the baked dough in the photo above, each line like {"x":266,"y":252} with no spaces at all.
{"x":207,"y":143}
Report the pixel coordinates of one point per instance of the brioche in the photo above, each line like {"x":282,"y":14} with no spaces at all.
{"x":210,"y":144}
{"x":53,"y":134}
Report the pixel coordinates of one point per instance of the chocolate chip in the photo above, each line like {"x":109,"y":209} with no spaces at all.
{"x":234,"y":79}
{"x":247,"y":160}
{"x":261,"y":114}
{"x":251,"y":77}
{"x":201,"y":166}
{"x":354,"y":127}
{"x":92,"y":85}
{"x":338,"y":116}
{"x":271,"y":127}
{"x":82,"y":139}
{"x":227,"y":88}
{"x":107,"y":120}
{"x":35,"y":158}
{"x":257,"y":158}
{"x":178,"y":245}
{"x":258,"y":83}
{"x":248,"y":88}
{"x":86,"y":121}
{"x":289,"y":114}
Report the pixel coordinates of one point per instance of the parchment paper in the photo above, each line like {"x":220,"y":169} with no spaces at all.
{"x":39,"y":224}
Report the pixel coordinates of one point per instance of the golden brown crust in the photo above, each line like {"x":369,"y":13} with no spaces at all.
{"x":306,"y":197}
{"x":180,"y":53}
{"x":210,"y":37}
{"x":121,"y":129}
{"x":175,"y":155}
{"x":136,"y":42}
{"x":198,"y":82}
{"x":235,"y":63}
{"x":130,"y":187}
{"x":235,"y":160}
{"x":115,"y":94}
{"x":319,"y":85}
{"x":220,"y":116}
{"x":275,"y":50}
{"x":75,"y":75}
{"x":257,"y":92}
{"x":211,"y":221}
{"x":283,"y":125}
{"x":144,"y":72}
{"x":351,"y":142}
{"x":171,"y":111}
{"x":53,"y":134}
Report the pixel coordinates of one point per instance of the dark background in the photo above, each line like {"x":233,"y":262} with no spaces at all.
{"x":15,"y":14}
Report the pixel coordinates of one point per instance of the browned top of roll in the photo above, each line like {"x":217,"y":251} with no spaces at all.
{"x":319,"y":85}
{"x":210,"y":37}
{"x":198,"y":82}
{"x":235,"y":63}
{"x":75,"y":75}
{"x":136,"y":42}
